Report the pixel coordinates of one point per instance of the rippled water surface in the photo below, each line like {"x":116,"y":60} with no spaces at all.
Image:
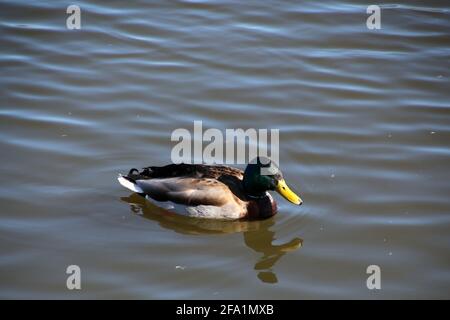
{"x":364,"y":119}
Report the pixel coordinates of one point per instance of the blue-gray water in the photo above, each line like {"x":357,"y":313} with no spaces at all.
{"x":364,"y":120}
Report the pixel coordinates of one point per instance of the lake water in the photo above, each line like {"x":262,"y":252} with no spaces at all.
{"x":364,"y":120}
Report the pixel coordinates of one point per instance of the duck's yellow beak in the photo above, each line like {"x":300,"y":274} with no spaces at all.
{"x":287,"y":193}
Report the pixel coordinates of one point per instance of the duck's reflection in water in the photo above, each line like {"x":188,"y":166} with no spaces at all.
{"x":257,"y":235}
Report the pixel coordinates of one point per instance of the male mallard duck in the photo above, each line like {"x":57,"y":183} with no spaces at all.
{"x":216,"y":192}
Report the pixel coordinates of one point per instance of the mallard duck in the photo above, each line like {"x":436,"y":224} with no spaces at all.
{"x":214,"y":191}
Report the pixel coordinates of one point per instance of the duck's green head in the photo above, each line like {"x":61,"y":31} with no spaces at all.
{"x":263,"y":175}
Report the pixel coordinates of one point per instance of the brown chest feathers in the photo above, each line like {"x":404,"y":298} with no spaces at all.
{"x":261,"y":208}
